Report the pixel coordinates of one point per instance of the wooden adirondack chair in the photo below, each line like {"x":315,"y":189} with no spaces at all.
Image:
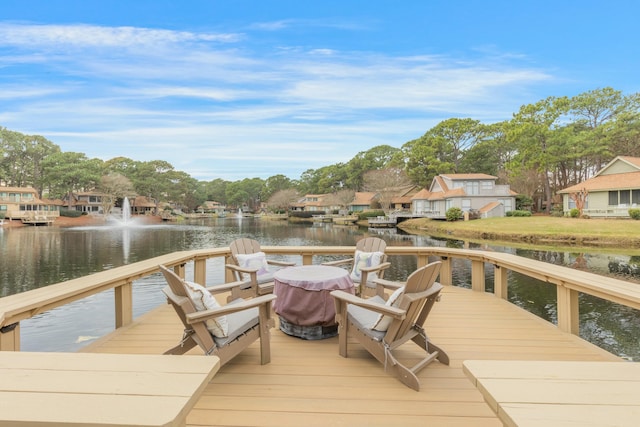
{"x":246,"y":321}
{"x":248,"y":262}
{"x":404,"y":312}
{"x":370,"y":252}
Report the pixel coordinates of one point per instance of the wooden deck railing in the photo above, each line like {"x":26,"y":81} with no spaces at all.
{"x":569,"y":282}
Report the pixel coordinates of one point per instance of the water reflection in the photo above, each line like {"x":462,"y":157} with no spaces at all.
{"x":32,"y":257}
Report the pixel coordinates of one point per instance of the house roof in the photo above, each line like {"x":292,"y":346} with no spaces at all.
{"x":618,"y":181}
{"x":421,"y":195}
{"x":489,"y":206}
{"x":18,"y":189}
{"x":363,"y":198}
{"x":91,"y":193}
{"x":401,"y":199}
{"x":602,"y":181}
{"x":632,"y":162}
{"x":425,"y":194}
{"x":56,"y":202}
{"x":143,"y":202}
{"x":465,"y":176}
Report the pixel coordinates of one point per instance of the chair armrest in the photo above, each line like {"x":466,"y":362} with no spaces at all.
{"x":348,"y":298}
{"x":338,"y":262}
{"x":388,"y":284}
{"x":379,"y":267}
{"x":281,"y":263}
{"x":241,"y":269}
{"x":226,"y":287}
{"x":201,"y":316}
{"x":238,"y":271}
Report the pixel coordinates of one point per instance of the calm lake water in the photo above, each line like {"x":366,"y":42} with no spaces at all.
{"x":33,"y":257}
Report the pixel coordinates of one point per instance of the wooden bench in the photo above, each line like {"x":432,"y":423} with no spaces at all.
{"x":545,"y":393}
{"x":115,"y":390}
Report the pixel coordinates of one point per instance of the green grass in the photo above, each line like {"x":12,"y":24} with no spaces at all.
{"x":544,"y":230}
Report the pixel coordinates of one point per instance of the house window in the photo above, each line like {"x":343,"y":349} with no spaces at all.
{"x":486,"y":185}
{"x":625,"y":197}
{"x":507,"y":203}
{"x":472,"y":187}
{"x":572,"y":203}
{"x":466,"y":204}
{"x":3,"y":208}
{"x":94,"y":199}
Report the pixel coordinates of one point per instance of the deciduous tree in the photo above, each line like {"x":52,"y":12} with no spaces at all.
{"x":386,"y":183}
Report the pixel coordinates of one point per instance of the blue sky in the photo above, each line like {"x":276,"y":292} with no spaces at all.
{"x":255,"y":88}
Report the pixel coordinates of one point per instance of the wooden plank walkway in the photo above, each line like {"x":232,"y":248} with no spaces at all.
{"x":308,"y":383}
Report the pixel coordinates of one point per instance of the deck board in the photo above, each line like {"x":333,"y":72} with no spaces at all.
{"x":308,"y":383}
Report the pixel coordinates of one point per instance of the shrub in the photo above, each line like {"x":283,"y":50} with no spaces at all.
{"x":454,"y":214}
{"x":634,"y":213}
{"x":305,"y":214}
{"x":370,"y":214}
{"x":574,"y":213}
{"x":70,"y":213}
{"x":557,"y":211}
{"x":1,"y":215}
{"x":523,"y":202}
{"x":518,"y":213}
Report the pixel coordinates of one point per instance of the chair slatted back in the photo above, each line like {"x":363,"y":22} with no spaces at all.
{"x":178,"y":297}
{"x":371,"y":244}
{"x":419,"y":295}
{"x":244,"y":246}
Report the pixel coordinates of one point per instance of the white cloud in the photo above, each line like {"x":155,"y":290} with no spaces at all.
{"x":97,"y":36}
{"x":192,"y":98}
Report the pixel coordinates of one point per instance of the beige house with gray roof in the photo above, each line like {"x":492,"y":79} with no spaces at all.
{"x":611,"y":191}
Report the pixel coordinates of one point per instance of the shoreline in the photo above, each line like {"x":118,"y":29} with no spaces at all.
{"x":468,"y":230}
{"x":81,"y":221}
{"x":524,"y":235}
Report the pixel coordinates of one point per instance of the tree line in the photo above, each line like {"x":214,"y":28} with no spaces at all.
{"x":546,"y":146}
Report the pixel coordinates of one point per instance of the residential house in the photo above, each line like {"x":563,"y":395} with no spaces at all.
{"x":610,"y":192}
{"x":402,"y":201}
{"x":469,"y":192}
{"x":87,"y":202}
{"x":141,"y":205}
{"x":211,"y":206}
{"x":23,"y":203}
{"x":314,"y":203}
{"x":362,"y":201}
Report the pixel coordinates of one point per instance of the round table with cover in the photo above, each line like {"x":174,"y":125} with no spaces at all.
{"x":304,"y":303}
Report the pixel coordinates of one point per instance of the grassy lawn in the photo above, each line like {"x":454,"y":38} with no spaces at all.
{"x":538,"y":230}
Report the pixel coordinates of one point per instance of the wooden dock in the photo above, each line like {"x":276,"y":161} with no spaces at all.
{"x":382,"y":221}
{"x":38,"y":220}
{"x":308,"y":384}
{"x":345,"y":220}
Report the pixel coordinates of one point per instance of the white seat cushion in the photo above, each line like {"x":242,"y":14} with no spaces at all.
{"x":239,"y":323}
{"x":382,"y":322}
{"x":256,"y":261}
{"x":203,"y":300}
{"x":365,"y":259}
